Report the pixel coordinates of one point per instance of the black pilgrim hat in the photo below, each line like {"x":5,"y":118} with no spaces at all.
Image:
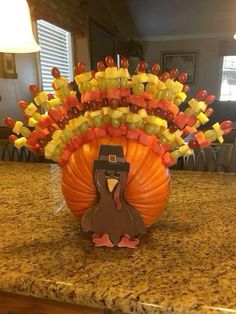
{"x":111,"y":157}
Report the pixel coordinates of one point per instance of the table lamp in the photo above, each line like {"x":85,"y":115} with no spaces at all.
{"x":16,"y":34}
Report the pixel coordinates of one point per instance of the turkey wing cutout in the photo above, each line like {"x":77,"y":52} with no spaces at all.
{"x":112,"y":214}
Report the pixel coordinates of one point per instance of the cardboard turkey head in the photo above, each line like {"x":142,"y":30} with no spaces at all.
{"x":111,"y":169}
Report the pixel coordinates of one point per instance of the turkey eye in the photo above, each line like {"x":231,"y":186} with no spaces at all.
{"x":107,"y":173}
{"x":117,"y":174}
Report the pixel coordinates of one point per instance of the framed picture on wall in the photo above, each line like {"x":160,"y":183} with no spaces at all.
{"x":185,"y":61}
{"x":8,"y":66}
{"x":102,"y":43}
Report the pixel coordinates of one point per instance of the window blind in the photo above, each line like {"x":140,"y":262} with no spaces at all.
{"x":228,"y":81}
{"x":55,"y":44}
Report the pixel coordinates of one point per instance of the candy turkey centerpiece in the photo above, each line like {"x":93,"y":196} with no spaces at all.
{"x":115,"y":141}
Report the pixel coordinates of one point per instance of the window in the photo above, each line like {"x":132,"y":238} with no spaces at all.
{"x":228,"y":80}
{"x":55,"y":44}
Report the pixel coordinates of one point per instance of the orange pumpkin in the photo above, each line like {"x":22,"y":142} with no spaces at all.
{"x":147,"y":187}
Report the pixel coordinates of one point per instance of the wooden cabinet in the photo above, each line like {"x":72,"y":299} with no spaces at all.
{"x":15,"y":304}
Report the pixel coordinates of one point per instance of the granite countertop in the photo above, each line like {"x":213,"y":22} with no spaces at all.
{"x":186,"y":262}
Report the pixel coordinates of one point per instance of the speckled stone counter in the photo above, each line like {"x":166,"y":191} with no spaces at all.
{"x":184,"y":264}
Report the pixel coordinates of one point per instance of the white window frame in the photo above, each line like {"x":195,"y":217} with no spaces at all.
{"x":221,"y":97}
{"x":69,"y":55}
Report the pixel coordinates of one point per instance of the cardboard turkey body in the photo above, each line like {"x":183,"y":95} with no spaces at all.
{"x":112,"y":216}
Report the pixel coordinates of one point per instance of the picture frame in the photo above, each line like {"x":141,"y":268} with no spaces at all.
{"x":184,"y":61}
{"x":8,"y":66}
{"x":102,"y":43}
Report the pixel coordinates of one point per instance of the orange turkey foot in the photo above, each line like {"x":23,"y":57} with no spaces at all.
{"x":127,"y":242}
{"x":103,"y":240}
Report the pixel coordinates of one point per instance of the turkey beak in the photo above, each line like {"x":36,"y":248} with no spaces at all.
{"x":111,"y":183}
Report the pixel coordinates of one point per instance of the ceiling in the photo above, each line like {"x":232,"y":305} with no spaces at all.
{"x":172,"y":19}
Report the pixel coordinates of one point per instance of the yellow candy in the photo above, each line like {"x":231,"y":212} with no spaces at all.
{"x":170,"y":84}
{"x":115,"y":114}
{"x":94,"y":82}
{"x":32,"y":122}
{"x":161,"y":85}
{"x":30,"y":109}
{"x":100,"y":75}
{"x":152,"y":78}
{"x":37,"y":116}
{"x":179,"y":140}
{"x":133,"y":117}
{"x":178,"y":101}
{"x":25,"y":131}
{"x":218,"y":130}
{"x":57,"y":142}
{"x":157,"y":121}
{"x":84,"y":77}
{"x":139,"y":78}
{"x":124,"y":110}
{"x":193,"y":103}
{"x":67,"y":132}
{"x":41,"y":98}
{"x":185,"y":150}
{"x":60,"y":82}
{"x":105,"y":110}
{"x":211,"y":135}
{"x":189,"y":111}
{"x":56,"y":135}
{"x":143,"y":113}
{"x":220,"y":139}
{"x":95,"y":113}
{"x":202,"y":106}
{"x":182,"y":96}
{"x":72,"y":124}
{"x":20,"y":142}
{"x":123,"y":73}
{"x":169,"y":136}
{"x":78,"y":121}
{"x":18,"y":125}
{"x":111,"y":73}
{"x":54,"y":102}
{"x":202,"y":118}
{"x":177,"y":87}
{"x":49,"y":148}
{"x":176,"y":154}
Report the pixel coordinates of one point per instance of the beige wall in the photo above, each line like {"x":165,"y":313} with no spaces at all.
{"x":209,"y":64}
{"x":14,"y":90}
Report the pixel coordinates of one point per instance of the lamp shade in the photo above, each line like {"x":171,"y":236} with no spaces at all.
{"x":16,"y":34}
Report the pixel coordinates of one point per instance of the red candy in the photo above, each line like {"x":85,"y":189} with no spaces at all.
{"x":186,"y":88}
{"x":45,"y":122}
{"x":168,"y":160}
{"x":33,"y":89}
{"x":142,"y":65}
{"x":22,"y":104}
{"x":56,"y":114}
{"x":181,"y":120}
{"x":201,"y":95}
{"x":9,"y":122}
{"x":174,"y":73}
{"x":164,"y":76}
{"x":100,"y":66}
{"x":55,"y":72}
{"x":124,"y":63}
{"x":226,"y":126}
{"x":209,"y":99}
{"x":182,"y":77}
{"x":155,"y":68}
{"x":12,"y":138}
{"x":109,"y":61}
{"x":209,"y":112}
{"x":80,"y":68}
